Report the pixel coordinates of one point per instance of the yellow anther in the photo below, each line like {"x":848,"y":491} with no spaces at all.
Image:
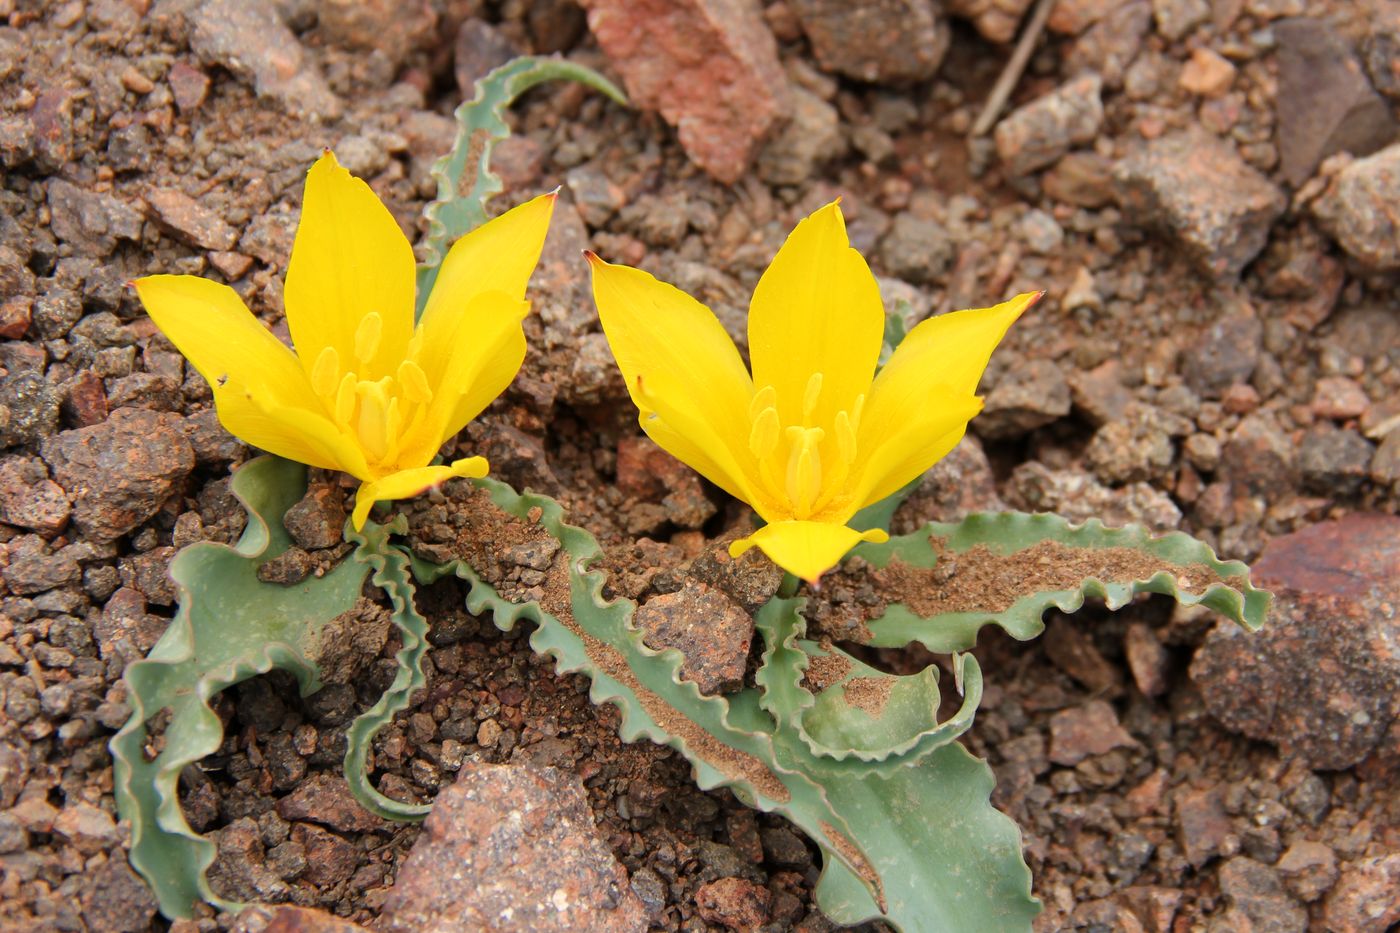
{"x":810,"y":397}
{"x":345,"y":399}
{"x":373,"y":424}
{"x":845,"y":437}
{"x":367,"y":336}
{"x":764,"y":398}
{"x":326,"y":373}
{"x":856,"y":409}
{"x":763,"y":436}
{"x":414,"y":383}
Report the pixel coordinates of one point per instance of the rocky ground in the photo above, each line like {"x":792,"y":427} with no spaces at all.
{"x":1203,"y":187}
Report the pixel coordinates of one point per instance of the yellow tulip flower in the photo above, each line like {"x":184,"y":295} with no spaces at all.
{"x":365,"y":391}
{"x":814,"y":435}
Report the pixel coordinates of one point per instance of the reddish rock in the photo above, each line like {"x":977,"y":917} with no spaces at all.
{"x":189,"y":220}
{"x":1364,"y":900}
{"x":511,"y":848}
{"x":736,"y":903}
{"x":705,"y":625}
{"x":710,"y":66}
{"x":15,"y":315}
{"x":1091,"y":729}
{"x":1202,"y":825}
{"x":120,"y":472}
{"x":85,"y":403}
{"x":882,"y":41}
{"x":188,"y":85}
{"x":1322,"y":679}
{"x":1358,"y":210}
{"x":1147,"y":659}
{"x":326,"y":799}
{"x":29,"y":499}
{"x":1339,"y":399}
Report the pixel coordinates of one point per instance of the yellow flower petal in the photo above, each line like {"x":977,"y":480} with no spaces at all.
{"x":887,"y":465}
{"x":807,"y":549}
{"x":260,"y":389}
{"x":349,"y":260}
{"x":921,"y":401}
{"x":498,"y":256}
{"x":406,"y":484}
{"x":680,"y":365}
{"x":486,"y":349}
{"x":817,"y":309}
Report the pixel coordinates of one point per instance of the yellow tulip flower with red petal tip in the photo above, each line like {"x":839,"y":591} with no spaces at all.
{"x":365,"y":391}
{"x":814,"y":434}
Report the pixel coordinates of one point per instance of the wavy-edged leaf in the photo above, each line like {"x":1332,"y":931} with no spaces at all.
{"x":847,"y":711}
{"x":916,"y":842}
{"x":392,"y":572}
{"x":464,"y":177}
{"x":944,"y":582}
{"x":230,"y":626}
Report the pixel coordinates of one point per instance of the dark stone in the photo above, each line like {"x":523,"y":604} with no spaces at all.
{"x":1258,"y":459}
{"x":1197,"y":189}
{"x":29,"y":408}
{"x":1257,"y":891}
{"x":1027,"y":396}
{"x":749,"y":580}
{"x":916,"y":249}
{"x":318,"y":519}
{"x":515,"y":839}
{"x":120,"y":472}
{"x":1322,"y":679}
{"x":711,"y":630}
{"x":1225,"y":355}
{"x":92,"y":222}
{"x":879,"y":41}
{"x":1334,"y":461}
{"x":1324,"y":103}
{"x":115,"y":900}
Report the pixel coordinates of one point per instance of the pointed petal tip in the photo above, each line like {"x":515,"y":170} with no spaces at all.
{"x":593,"y":258}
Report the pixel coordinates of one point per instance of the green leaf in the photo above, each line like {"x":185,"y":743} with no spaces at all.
{"x":392,"y":571}
{"x":910,"y":836}
{"x":464,"y":177}
{"x":945,"y":581}
{"x":229,"y":626}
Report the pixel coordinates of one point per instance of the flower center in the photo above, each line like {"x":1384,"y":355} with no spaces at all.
{"x":803,"y":465}
{"x":379,"y":413}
